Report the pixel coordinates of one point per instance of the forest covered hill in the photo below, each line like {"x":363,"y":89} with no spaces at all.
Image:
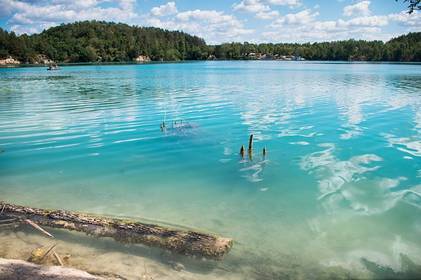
{"x":98,"y":41}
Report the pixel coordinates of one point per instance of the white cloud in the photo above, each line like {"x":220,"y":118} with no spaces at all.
{"x":214,"y":26}
{"x":298,"y":19}
{"x":359,"y":9}
{"x":318,"y":31}
{"x":164,"y":10}
{"x":262,"y":9}
{"x":304,"y":26}
{"x":366,"y":21}
{"x":413,"y":21}
{"x":267,"y":15}
{"x":290,"y":3}
{"x":252,"y":6}
{"x":76,"y":4}
{"x":31,"y":17}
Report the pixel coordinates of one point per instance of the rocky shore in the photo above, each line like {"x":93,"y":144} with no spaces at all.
{"x":38,"y":60}
{"x":9,"y":61}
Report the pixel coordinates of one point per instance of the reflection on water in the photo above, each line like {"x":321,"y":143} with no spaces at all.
{"x":337,"y":195}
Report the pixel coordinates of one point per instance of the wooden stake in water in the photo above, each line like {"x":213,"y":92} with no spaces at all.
{"x":251,"y":143}
{"x":250,"y":149}
{"x":242,"y":151}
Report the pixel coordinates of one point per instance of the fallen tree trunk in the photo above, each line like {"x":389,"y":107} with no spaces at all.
{"x":175,"y":240}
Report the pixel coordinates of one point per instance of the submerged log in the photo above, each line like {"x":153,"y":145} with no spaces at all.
{"x":175,"y":240}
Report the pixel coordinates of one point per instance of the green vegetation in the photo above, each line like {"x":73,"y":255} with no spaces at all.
{"x":95,"y":41}
{"x":403,"y":48}
{"x":413,"y":5}
{"x":91,"y":41}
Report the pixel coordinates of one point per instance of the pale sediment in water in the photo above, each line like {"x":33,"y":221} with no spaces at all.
{"x":111,"y":260}
{"x":106,"y":258}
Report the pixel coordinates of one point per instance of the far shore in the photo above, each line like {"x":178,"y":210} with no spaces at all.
{"x":24,"y":65}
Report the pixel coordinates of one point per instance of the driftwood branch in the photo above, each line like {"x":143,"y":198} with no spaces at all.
{"x":175,"y":240}
{"x":58,"y":259}
{"x":37,"y":227}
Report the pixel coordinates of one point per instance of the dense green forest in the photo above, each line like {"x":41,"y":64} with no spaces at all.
{"x":91,"y":41}
{"x":404,"y":48}
{"x":95,"y":41}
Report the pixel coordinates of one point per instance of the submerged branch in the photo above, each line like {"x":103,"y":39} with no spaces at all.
{"x":175,"y":240}
{"x":37,"y":227}
{"x":58,"y":259}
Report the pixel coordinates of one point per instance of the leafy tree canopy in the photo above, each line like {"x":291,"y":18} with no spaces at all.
{"x":413,"y":5}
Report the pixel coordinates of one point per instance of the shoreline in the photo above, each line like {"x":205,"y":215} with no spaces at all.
{"x":218,"y":60}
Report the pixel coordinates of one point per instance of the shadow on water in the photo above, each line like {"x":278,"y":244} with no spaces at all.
{"x":179,"y":129}
{"x":39,"y":78}
{"x":406,"y":82}
{"x":409,"y":270}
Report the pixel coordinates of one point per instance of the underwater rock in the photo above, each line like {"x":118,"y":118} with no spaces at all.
{"x":20,"y":270}
{"x":177,"y":266}
{"x":39,"y":255}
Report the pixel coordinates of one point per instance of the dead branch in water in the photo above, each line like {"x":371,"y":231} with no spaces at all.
{"x":58,"y":259}
{"x":34,"y":225}
{"x":175,"y":240}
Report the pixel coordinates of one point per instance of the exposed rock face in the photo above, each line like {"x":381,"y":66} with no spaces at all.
{"x":21,"y":270}
{"x":142,"y":58}
{"x":43,"y":59}
{"x":9,"y":61}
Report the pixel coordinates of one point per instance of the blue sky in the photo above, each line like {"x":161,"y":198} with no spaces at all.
{"x":226,"y":20}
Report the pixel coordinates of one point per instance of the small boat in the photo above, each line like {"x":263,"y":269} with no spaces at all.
{"x":53,"y":67}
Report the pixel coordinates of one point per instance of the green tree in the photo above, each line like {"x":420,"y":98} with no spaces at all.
{"x":413,"y":5}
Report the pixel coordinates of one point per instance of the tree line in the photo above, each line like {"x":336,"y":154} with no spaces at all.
{"x":403,"y":48}
{"x":98,"y":41}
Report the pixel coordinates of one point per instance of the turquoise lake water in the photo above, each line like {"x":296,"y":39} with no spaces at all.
{"x":340,"y":185}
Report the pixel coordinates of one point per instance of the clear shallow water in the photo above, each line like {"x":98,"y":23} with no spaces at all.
{"x":340,"y":186}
